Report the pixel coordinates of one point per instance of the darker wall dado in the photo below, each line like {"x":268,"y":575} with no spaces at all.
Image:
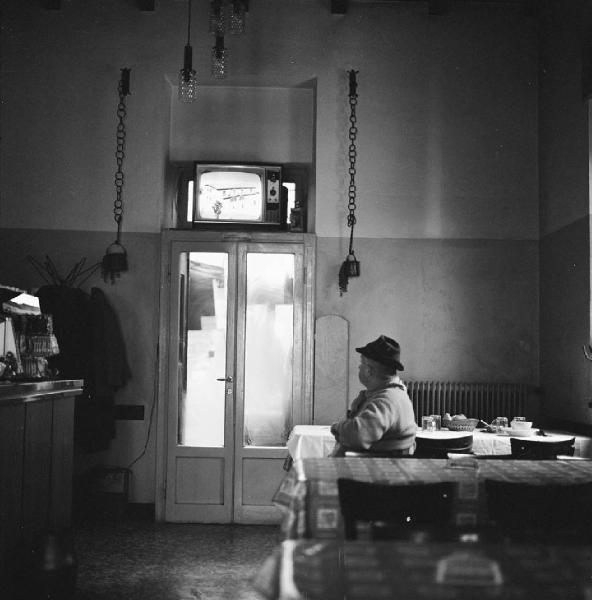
{"x":565,"y":300}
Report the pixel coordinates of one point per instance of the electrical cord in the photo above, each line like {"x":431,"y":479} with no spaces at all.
{"x":150,"y":420}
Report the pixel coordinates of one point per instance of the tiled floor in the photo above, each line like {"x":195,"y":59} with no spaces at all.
{"x":148,"y":561}
{"x":135,"y":558}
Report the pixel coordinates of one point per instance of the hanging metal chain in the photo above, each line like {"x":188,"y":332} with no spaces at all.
{"x":123,"y":89}
{"x":351,"y":266}
{"x":353,"y":154}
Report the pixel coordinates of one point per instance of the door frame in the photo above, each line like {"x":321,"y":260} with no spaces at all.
{"x":168,"y":238}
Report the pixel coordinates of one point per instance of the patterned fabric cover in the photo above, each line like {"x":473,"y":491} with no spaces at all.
{"x":309,"y":498}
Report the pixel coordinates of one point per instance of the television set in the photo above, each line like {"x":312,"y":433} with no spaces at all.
{"x":237,"y":194}
{"x":217,"y":195}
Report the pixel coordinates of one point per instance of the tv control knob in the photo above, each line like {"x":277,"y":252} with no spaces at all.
{"x":272,"y":192}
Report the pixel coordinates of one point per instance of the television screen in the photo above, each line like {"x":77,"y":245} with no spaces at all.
{"x":230,"y":195}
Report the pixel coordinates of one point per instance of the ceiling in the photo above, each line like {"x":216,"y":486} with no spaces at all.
{"x":340,"y":7}
{"x":435,"y":7}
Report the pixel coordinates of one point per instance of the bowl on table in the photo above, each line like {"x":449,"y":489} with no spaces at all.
{"x":521,"y":425}
{"x":519,"y":429}
{"x":460,"y":424}
{"x":521,"y":432}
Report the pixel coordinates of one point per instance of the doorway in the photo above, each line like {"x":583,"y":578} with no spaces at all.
{"x":239,"y":345}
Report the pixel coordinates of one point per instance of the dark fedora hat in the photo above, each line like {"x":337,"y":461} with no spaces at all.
{"x":384,"y":350}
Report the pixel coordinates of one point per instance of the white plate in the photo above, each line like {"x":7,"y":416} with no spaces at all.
{"x":519,"y":432}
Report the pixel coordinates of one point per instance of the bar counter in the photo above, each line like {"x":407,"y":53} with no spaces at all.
{"x":36,"y":463}
{"x":12,"y":392}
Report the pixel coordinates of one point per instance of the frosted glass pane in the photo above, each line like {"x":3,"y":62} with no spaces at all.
{"x":201,"y":419}
{"x":269,"y":345}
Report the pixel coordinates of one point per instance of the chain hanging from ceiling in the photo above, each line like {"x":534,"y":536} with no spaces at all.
{"x":351,"y":266}
{"x":115,"y":259}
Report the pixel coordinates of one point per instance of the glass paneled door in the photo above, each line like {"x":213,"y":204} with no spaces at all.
{"x":238,"y":357}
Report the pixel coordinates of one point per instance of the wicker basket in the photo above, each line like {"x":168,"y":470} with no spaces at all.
{"x":460,"y":424}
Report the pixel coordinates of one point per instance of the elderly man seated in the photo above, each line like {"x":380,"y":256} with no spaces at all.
{"x":381,"y":418}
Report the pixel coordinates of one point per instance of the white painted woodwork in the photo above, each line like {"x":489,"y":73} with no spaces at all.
{"x":236,"y":482}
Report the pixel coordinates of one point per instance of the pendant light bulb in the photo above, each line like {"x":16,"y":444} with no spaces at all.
{"x":187,"y":75}
{"x":237,"y":17}
{"x":219,"y":59}
{"x":217,"y":19}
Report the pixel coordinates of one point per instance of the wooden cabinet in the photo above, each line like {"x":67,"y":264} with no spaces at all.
{"x":36,"y":462}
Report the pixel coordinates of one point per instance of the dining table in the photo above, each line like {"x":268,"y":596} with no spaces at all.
{"x":381,"y":570}
{"x":309,"y":500}
{"x":317,"y":441}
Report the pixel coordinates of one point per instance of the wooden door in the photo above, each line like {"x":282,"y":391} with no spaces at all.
{"x":238,"y":352}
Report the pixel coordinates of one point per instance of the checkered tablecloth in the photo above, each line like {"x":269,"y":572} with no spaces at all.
{"x":333,"y":570}
{"x":309,"y":497}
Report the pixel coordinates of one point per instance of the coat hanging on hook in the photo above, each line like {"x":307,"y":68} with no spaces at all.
{"x":115,"y":260}
{"x":351,"y":266}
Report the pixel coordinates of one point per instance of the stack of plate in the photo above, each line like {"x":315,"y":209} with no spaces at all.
{"x":519,"y":432}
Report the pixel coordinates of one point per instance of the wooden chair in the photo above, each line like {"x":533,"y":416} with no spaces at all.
{"x":439,"y":448}
{"x":540,"y":512}
{"x":395,"y":511}
{"x":529,"y":449}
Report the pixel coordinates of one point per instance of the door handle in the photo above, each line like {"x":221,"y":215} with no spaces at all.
{"x":226,"y":379}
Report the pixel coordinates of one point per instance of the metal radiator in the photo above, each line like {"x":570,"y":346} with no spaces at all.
{"x":476,"y":400}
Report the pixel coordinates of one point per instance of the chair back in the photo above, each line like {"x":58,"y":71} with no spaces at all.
{"x":394,"y":511}
{"x":540,"y":512}
{"x":527,"y":449}
{"x":440,"y":447}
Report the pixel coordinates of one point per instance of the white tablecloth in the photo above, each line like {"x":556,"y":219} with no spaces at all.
{"x":310,"y":441}
{"x":316,"y":441}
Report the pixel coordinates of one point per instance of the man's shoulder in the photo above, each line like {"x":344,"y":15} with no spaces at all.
{"x":392,"y":389}
{"x":388,"y":396}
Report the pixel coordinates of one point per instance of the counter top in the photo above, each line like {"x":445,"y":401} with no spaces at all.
{"x":15,"y":391}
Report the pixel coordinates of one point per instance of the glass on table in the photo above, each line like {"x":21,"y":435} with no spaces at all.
{"x":431,"y":423}
{"x":499,"y":423}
